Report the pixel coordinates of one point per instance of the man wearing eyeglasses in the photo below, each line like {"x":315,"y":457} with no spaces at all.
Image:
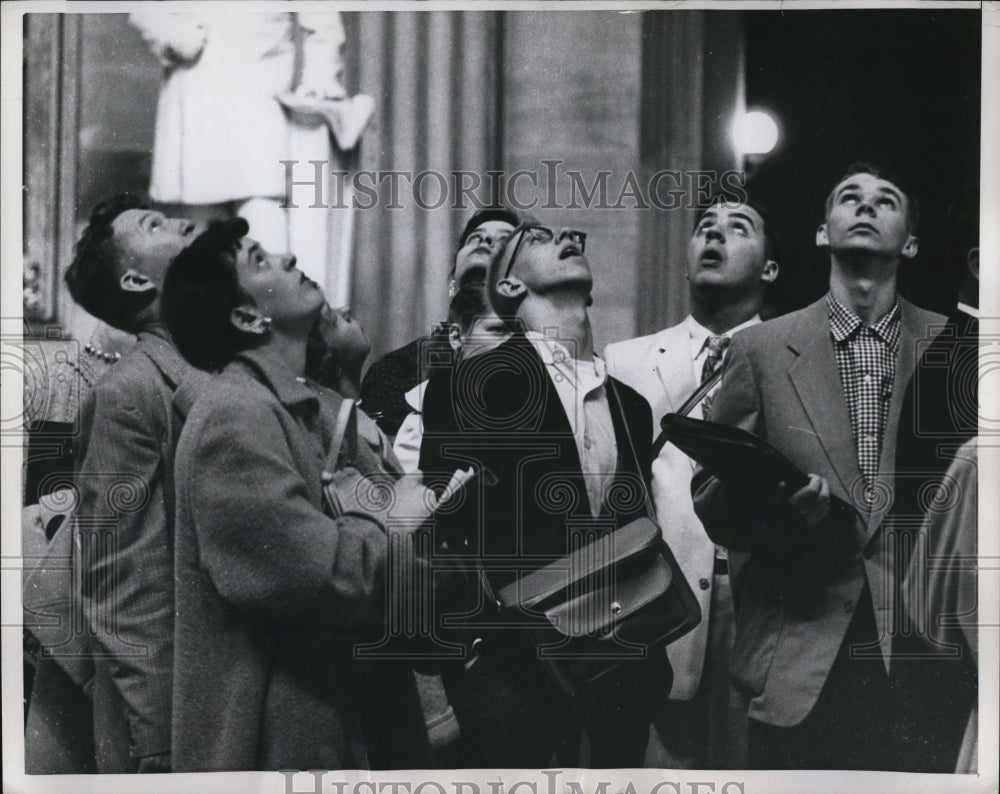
{"x":564,"y":441}
{"x":731,"y":262}
{"x":384,"y":387}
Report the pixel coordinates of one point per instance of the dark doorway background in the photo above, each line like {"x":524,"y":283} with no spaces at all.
{"x":900,"y":88}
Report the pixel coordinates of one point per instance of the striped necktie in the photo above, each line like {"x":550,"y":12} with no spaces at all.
{"x":716,"y":348}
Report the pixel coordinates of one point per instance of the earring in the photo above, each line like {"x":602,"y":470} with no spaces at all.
{"x":265,"y":323}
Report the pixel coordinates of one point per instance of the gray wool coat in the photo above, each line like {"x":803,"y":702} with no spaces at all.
{"x":272,"y":594}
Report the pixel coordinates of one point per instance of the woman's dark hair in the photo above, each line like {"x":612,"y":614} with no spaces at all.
{"x":200,"y":291}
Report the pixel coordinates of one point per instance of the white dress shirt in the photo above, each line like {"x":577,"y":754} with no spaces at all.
{"x":580,"y":386}
{"x":410,"y":435}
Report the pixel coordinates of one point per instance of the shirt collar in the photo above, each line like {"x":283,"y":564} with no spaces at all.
{"x":844,"y":323}
{"x":554,"y":353}
{"x":415,"y":396}
{"x":699,"y":334}
{"x":274,"y":373}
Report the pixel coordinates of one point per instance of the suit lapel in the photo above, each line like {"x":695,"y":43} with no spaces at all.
{"x":673,"y":370}
{"x":673,"y":367}
{"x":628,"y":463}
{"x":816,"y":380}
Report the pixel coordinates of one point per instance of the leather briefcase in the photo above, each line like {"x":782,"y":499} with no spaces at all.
{"x":616,"y":599}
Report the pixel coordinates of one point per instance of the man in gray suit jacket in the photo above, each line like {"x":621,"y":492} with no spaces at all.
{"x":124,"y":478}
{"x":824,"y":386}
{"x":731,"y":262}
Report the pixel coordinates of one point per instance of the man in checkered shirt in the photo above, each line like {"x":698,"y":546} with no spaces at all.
{"x":824,"y":385}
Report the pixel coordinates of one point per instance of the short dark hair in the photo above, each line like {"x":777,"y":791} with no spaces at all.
{"x":93,"y":278}
{"x":200,"y":291}
{"x":772,"y":250}
{"x":469,"y":304}
{"x":880,"y":172}
{"x":480,"y":217}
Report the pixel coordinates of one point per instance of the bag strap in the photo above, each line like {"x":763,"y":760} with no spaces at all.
{"x":700,"y":393}
{"x":345,"y":430}
{"x":696,"y":397}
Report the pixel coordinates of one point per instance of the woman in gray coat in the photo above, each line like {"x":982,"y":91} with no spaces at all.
{"x":272,"y":594}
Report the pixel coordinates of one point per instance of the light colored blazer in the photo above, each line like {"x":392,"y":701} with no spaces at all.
{"x":780,"y":381}
{"x":659,"y":367}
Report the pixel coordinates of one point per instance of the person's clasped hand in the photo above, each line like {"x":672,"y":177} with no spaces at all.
{"x":400,"y":504}
{"x":811,"y":502}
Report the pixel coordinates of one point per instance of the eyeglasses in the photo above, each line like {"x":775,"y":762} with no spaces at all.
{"x":543,"y":234}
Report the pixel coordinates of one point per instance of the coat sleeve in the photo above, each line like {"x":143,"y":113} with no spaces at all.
{"x":732,"y":517}
{"x":126,"y":552}
{"x":265,"y":545}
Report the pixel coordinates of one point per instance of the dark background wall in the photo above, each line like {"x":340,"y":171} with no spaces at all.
{"x":900,"y":88}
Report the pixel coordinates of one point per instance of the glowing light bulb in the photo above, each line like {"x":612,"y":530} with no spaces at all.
{"x":754,"y":132}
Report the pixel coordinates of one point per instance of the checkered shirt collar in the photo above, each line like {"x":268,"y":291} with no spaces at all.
{"x":844,"y":323}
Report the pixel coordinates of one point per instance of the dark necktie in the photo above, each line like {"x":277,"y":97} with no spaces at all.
{"x":716,"y":347}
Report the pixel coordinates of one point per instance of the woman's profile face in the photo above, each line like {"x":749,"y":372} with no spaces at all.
{"x":279,"y":290}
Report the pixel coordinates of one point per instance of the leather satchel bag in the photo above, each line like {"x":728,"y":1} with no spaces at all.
{"x":617,"y":599}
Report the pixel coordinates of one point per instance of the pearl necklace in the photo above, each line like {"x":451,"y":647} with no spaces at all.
{"x":108,"y":357}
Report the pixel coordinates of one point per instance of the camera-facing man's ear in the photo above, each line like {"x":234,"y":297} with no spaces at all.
{"x":511,"y":288}
{"x":134,"y":281}
{"x":249,"y":319}
{"x":455,"y":337}
{"x":910,"y":247}
{"x":770,"y":272}
{"x":822,"y":239}
{"x":972,"y":260}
